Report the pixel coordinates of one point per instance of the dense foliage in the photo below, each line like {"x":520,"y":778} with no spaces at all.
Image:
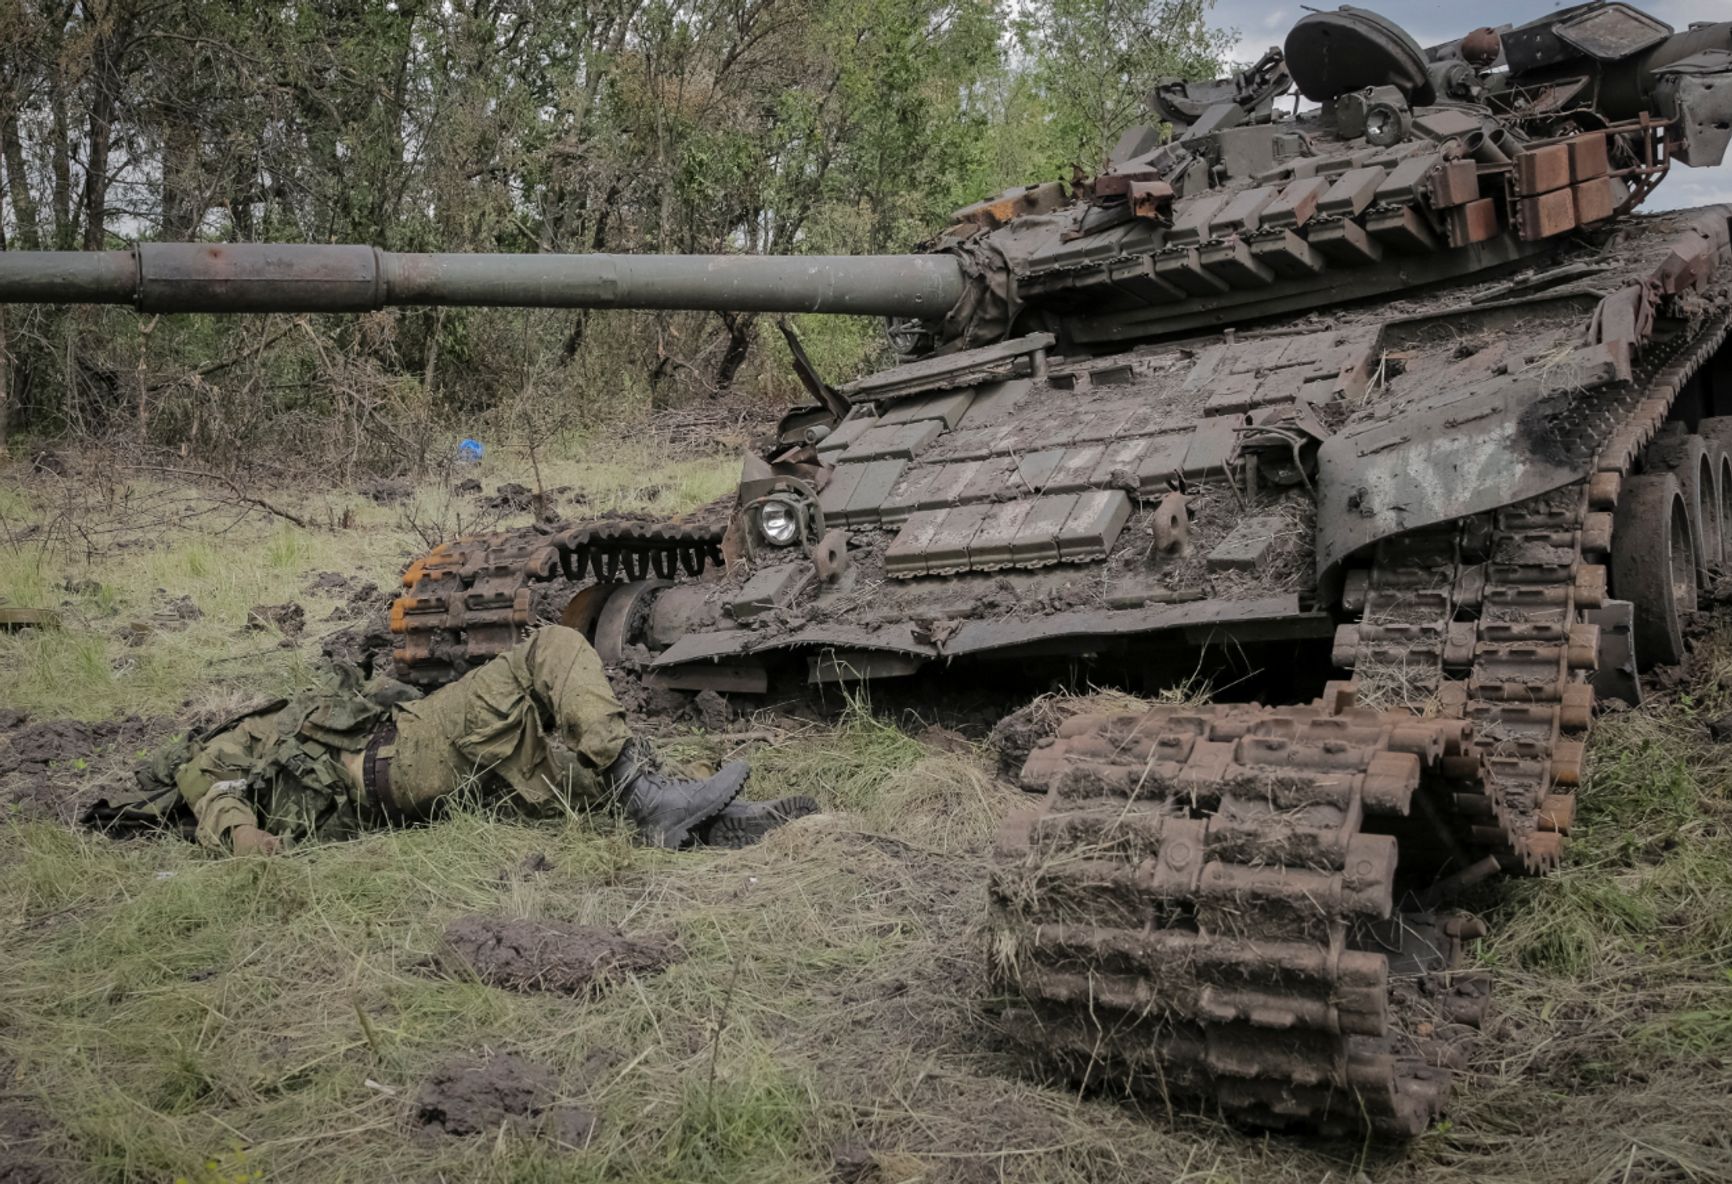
{"x":515,"y":125}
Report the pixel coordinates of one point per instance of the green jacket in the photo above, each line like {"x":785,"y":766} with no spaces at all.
{"x":286,"y":757}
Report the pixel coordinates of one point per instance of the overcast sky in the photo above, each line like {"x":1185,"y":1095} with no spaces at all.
{"x":1262,"y":23}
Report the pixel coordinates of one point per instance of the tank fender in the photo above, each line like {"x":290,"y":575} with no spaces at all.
{"x":1433,"y":464}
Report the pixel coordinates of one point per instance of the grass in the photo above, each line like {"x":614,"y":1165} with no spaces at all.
{"x":111,"y":560}
{"x":174,"y":1016}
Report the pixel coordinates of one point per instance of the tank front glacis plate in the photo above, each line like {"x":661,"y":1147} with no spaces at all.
{"x":1036,"y":511}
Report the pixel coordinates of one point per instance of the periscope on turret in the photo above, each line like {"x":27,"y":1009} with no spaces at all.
{"x":1355,"y":381}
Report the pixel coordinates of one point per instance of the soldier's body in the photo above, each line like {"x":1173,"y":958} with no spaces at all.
{"x":537,"y":729}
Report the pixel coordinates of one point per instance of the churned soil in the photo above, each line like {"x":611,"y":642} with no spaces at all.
{"x":47,"y":765}
{"x":479,"y":1096}
{"x":554,"y":956}
{"x":24,"y":1132}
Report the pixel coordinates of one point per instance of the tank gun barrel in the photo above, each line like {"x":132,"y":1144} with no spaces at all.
{"x":260,"y":277}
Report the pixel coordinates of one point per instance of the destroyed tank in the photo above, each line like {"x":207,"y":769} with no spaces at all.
{"x":1379,"y":409}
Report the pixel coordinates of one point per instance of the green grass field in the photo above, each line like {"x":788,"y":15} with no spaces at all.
{"x":169,"y":1016}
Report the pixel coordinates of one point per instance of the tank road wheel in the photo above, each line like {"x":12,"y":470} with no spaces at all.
{"x":621,"y":619}
{"x":1722,"y":461}
{"x":1716,"y":433}
{"x":1686,"y":458}
{"x":1654,"y":564}
{"x":584,"y":610}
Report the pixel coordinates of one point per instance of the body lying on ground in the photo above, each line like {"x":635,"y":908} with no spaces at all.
{"x":536,"y":730}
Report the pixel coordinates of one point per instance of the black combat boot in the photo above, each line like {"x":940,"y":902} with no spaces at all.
{"x":666,"y":809}
{"x":744,"y":823}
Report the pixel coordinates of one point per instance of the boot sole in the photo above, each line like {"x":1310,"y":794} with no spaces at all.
{"x":743,"y":828}
{"x":680,"y":835}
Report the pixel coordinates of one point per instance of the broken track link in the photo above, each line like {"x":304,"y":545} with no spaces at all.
{"x":472,"y":599}
{"x":1203,"y":908}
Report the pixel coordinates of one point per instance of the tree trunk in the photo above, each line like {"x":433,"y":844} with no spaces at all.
{"x":65,"y":229}
{"x":739,"y":326}
{"x":180,"y":177}
{"x":18,"y":181}
{"x":5,"y":367}
{"x":105,"y":96}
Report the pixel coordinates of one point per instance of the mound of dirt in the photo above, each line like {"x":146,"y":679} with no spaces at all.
{"x":510,"y":496}
{"x":547,"y":955}
{"x":288,"y":618}
{"x":475,"y":1097}
{"x":386,"y":492}
{"x":367,"y":644}
{"x":1020,"y":733}
{"x":45,"y":764}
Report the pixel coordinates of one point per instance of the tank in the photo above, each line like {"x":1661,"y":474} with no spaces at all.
{"x":1353,"y":386}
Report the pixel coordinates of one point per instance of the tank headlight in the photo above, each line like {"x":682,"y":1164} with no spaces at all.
{"x":779,"y":522}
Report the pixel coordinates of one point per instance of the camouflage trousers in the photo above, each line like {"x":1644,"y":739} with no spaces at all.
{"x":533,"y":728}
{"x":536,"y":726}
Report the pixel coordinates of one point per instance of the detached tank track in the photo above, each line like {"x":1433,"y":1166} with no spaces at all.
{"x":1205,"y":906}
{"x":1199,"y":910}
{"x":470,"y":599}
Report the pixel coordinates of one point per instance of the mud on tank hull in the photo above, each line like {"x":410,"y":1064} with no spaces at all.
{"x":1208,"y":902}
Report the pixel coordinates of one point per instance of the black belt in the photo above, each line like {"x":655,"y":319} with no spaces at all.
{"x":376,"y":774}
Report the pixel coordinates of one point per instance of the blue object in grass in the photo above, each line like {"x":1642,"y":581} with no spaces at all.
{"x":470,"y":450}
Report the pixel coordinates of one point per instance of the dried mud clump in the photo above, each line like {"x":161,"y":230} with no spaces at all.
{"x":45,"y":764}
{"x":289,"y":618}
{"x":550,"y":956}
{"x":509,"y":497}
{"x":1020,"y":733}
{"x":476,"y":1097}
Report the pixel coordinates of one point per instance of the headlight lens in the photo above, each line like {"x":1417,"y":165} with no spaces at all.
{"x":779,"y":522}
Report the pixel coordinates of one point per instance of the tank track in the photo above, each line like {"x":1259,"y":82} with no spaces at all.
{"x":1206,"y":905}
{"x":1199,"y":909}
{"x":469,"y":600}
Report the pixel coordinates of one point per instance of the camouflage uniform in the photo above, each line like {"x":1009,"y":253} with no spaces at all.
{"x":534,"y":727}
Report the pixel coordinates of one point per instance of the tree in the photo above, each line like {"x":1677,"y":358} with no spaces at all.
{"x":1090,"y":65}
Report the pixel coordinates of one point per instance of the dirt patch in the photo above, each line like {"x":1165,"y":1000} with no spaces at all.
{"x":386,"y":492}
{"x":651,"y":710}
{"x":476,"y":1097}
{"x":289,"y":618}
{"x":23,"y":1138}
{"x":46,"y":765}
{"x":327,"y":581}
{"x":367,"y":644}
{"x":1020,"y":733}
{"x":547,"y":955}
{"x":359,"y":597}
{"x":178,"y":613}
{"x":510,"y":496}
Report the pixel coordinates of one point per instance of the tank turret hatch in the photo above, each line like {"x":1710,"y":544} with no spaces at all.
{"x":1331,"y":54}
